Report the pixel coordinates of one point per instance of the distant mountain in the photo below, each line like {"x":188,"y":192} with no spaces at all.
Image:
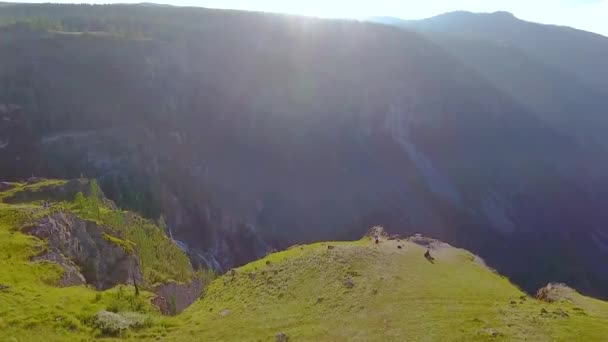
{"x":253,"y":131}
{"x":576,"y":52}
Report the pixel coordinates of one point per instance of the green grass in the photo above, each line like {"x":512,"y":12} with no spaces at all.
{"x":33,"y":308}
{"x":161,"y":260}
{"x":397,"y":295}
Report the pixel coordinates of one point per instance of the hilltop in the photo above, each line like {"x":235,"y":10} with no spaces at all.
{"x":327,"y":291}
{"x":360,"y":291}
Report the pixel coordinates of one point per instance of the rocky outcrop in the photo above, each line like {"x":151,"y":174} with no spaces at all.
{"x":84,"y":251}
{"x":174,"y":298}
{"x":555,"y":292}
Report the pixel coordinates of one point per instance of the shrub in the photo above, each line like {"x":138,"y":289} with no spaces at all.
{"x":111,"y":324}
{"x":117,"y":324}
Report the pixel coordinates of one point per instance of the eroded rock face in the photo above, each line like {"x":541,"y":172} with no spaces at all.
{"x":80,"y":248}
{"x":174,"y":298}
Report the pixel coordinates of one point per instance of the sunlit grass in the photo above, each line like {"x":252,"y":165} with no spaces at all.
{"x":332,"y":291}
{"x":397,"y":296}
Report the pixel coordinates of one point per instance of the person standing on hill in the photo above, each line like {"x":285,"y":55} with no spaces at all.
{"x":428,"y":256}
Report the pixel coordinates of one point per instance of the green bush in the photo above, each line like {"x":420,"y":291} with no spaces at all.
{"x":111,"y":324}
{"x":117,"y":324}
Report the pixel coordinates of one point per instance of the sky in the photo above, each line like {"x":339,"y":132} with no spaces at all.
{"x":589,"y":15}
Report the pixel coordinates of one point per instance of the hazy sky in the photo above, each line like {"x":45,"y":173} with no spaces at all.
{"x":590,"y":15}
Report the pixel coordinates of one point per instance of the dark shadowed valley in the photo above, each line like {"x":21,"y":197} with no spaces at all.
{"x":252,"y":131}
{"x":235,"y":134}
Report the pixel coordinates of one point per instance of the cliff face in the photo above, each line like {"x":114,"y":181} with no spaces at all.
{"x":267,"y":131}
{"x":86,"y":252}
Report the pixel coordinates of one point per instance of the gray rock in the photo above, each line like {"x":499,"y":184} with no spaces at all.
{"x":81,"y":248}
{"x":282,"y":337}
{"x":554,"y":292}
{"x":173,"y":298}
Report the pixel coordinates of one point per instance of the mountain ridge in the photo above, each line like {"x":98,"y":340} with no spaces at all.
{"x":236,"y":141}
{"x":461,"y":16}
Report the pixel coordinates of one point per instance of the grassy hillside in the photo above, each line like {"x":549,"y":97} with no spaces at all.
{"x":34,"y":308}
{"x":161,"y":260}
{"x":397,"y":295}
{"x":334,"y":291}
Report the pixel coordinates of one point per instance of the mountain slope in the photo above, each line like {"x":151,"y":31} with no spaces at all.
{"x":553,"y":71}
{"x":396,"y":295}
{"x":576,"y":52}
{"x":331,"y":291}
{"x":237,"y":126}
{"x":66,"y":257}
